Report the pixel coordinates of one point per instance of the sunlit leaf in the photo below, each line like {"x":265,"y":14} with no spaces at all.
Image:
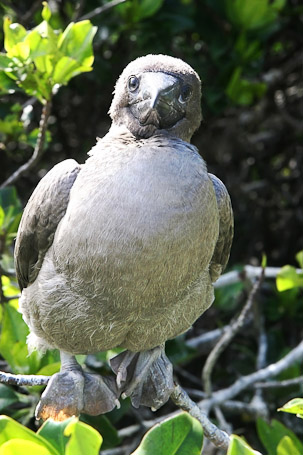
{"x":287,"y":447}
{"x":76,"y":42}
{"x":294,"y":406}
{"x":46,"y":12}
{"x":10,"y":429}
{"x":238,"y":446}
{"x":83,"y":439}
{"x":13,"y":34}
{"x":18,"y":446}
{"x":288,"y":278}
{"x":299,"y":258}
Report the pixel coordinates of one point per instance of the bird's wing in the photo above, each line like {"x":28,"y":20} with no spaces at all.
{"x":41,"y":216}
{"x":226,"y":229}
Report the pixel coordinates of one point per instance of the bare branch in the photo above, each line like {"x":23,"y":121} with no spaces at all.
{"x":101,"y":9}
{"x":20,"y":379}
{"x":227,"y":337}
{"x":278,"y":384}
{"x":244,"y":382}
{"x":38,"y":150}
{"x":218,"y":437}
{"x":249,"y":272}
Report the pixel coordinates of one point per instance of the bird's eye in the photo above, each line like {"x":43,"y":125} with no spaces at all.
{"x":133,"y":83}
{"x":185,"y":94}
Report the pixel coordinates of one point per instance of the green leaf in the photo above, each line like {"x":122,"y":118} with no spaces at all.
{"x":287,"y":447}
{"x":253,"y":14}
{"x":76,"y":42}
{"x":288,"y":278}
{"x":18,"y":446}
{"x":238,"y":446}
{"x":271,"y":435}
{"x":105,"y":427}
{"x":242,"y":91}
{"x":294,"y":406}
{"x":13,"y":342}
{"x":10,"y":429}
{"x":13,"y":34}
{"x":299,"y":258}
{"x":5,"y":62}
{"x":83,"y":439}
{"x":53,"y":432}
{"x":2,"y":216}
{"x":147,"y":8}
{"x":46,"y":12}
{"x":7,"y":396}
{"x":175,"y":436}
{"x":67,"y":68}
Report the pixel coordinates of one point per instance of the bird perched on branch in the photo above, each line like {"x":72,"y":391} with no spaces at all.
{"x":123,"y":250}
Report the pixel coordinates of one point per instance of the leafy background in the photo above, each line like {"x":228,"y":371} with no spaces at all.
{"x":249,"y":57}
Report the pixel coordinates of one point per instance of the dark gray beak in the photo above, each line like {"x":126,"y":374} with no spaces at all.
{"x":158,"y":100}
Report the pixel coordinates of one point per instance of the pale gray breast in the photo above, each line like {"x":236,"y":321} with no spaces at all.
{"x":142,"y":221}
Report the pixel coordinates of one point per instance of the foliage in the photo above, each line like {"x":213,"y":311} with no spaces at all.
{"x":175,"y":436}
{"x":40,"y":60}
{"x":289,"y":277}
{"x":70,"y":437}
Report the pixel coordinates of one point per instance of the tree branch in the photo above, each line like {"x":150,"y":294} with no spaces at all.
{"x":38,"y":150}
{"x":20,"y":379}
{"x":218,"y":437}
{"x":101,"y":9}
{"x":295,"y":355}
{"x":249,"y":272}
{"x":228,"y":335}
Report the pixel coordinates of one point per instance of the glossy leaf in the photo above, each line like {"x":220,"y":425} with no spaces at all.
{"x":288,"y":278}
{"x":238,"y":446}
{"x":287,"y":447}
{"x":13,"y":34}
{"x":10,"y":429}
{"x":175,"y":436}
{"x":271,"y":435}
{"x":294,"y":406}
{"x":76,"y":42}
{"x":20,"y":446}
{"x":83,"y":439}
{"x":53,"y":432}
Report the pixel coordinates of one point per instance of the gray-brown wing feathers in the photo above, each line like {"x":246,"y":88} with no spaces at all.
{"x":226,"y":229}
{"x":40,"y":219}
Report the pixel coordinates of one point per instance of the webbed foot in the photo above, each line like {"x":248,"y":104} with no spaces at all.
{"x":146,"y":377}
{"x":72,"y":391}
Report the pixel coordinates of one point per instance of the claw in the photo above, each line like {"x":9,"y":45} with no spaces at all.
{"x":146,"y":377}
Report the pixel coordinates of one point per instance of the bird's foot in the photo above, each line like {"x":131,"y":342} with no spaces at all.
{"x":70,"y":392}
{"x":146,"y":377}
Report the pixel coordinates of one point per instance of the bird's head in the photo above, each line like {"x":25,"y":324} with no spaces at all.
{"x":158,"y":93}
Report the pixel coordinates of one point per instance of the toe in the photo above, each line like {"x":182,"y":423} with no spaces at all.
{"x":100,"y":394}
{"x":63,"y":396}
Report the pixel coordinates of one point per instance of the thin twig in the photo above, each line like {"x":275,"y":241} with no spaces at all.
{"x":38,"y":150}
{"x":101,"y":9}
{"x":295,"y":355}
{"x":279,"y":384}
{"x":227,"y":337}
